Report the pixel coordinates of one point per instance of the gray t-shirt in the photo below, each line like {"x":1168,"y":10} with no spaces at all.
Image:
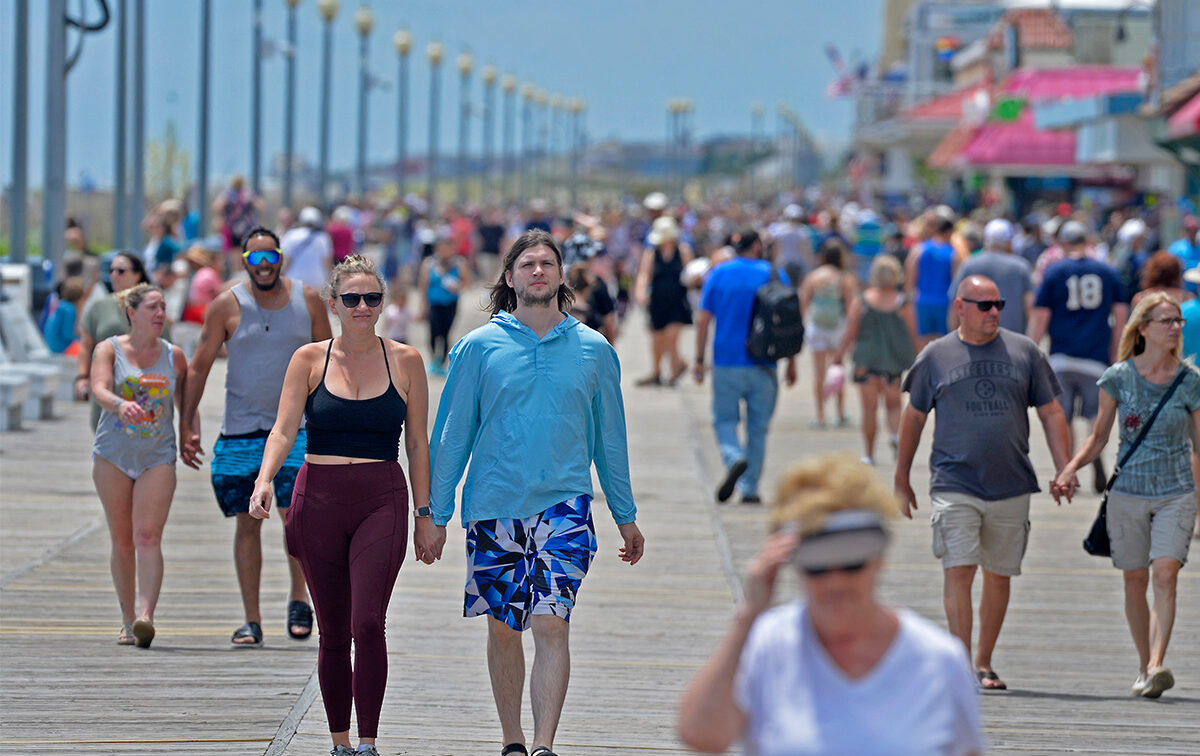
{"x":1161,"y":466}
{"x":982,"y":395}
{"x":1013,"y":277}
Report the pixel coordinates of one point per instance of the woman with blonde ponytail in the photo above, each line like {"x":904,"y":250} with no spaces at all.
{"x":1152,"y":503}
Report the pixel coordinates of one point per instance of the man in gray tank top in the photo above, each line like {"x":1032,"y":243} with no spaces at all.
{"x":260,"y":323}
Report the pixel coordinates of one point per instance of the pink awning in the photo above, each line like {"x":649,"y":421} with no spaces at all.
{"x":1018,"y":142}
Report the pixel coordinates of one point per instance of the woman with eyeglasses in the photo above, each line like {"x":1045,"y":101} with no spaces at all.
{"x":136,"y":380}
{"x":837,"y":672}
{"x":104,"y":318}
{"x":348,"y":522}
{"x":1152,"y":503}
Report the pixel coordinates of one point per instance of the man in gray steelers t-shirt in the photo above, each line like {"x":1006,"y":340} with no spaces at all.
{"x":982,"y":379}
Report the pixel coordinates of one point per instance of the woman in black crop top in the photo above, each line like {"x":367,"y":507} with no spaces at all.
{"x":357,"y":392}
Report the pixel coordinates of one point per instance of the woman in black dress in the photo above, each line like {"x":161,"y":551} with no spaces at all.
{"x":662,"y":293}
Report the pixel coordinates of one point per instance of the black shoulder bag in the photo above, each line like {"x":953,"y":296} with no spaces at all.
{"x":1097,"y":543}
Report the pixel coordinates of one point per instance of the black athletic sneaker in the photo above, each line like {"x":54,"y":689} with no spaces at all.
{"x":735,"y":471}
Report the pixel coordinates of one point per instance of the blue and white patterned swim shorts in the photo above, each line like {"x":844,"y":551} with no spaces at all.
{"x":517,"y":568}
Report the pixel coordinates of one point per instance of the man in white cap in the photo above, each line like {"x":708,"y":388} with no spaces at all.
{"x":1011,"y":273}
{"x":793,"y":243}
{"x":307,"y":250}
{"x":1074,"y":304}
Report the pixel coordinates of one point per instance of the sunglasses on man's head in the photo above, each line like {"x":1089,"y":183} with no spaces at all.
{"x":260,"y":256}
{"x":985,"y":305}
{"x":372,"y":298}
{"x":851,"y":568}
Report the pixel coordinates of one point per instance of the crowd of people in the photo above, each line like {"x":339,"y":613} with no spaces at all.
{"x":951,"y":309}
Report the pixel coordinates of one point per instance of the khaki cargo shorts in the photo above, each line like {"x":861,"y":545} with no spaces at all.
{"x":969,"y":531}
{"x":1142,"y":529}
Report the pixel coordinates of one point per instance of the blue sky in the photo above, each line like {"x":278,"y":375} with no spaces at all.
{"x":625,"y":57}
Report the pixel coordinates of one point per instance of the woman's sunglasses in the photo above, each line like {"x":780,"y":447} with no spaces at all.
{"x":262,"y":256}
{"x":851,"y":568}
{"x":118,"y":271}
{"x":986,"y":304}
{"x":373,"y":299}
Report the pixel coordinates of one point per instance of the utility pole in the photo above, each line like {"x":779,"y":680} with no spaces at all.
{"x":18,"y":198}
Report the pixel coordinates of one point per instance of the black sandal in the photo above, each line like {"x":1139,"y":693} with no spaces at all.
{"x":299,"y":615}
{"x":514,"y":748}
{"x":542,"y":751}
{"x":248,"y":630}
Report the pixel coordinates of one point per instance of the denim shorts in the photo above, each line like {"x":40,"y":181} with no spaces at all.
{"x":517,"y":568}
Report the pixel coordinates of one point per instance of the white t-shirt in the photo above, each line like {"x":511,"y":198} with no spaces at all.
{"x":795,"y":242}
{"x":306,"y":252}
{"x":921,"y":698}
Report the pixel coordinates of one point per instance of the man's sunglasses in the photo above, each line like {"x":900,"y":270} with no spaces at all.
{"x":373,"y":299}
{"x":985,"y":305}
{"x":851,"y":568}
{"x":260,"y":256}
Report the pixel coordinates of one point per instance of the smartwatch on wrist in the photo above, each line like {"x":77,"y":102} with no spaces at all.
{"x":424,"y":512}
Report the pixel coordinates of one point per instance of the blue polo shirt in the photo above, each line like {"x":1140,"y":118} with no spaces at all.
{"x":729,"y":295}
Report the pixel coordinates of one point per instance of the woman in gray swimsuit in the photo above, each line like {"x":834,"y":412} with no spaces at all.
{"x":136,"y":378}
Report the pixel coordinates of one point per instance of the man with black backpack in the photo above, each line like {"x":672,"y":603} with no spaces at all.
{"x":730,"y":297}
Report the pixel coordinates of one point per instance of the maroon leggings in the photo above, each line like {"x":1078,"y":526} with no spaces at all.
{"x":348,"y":527}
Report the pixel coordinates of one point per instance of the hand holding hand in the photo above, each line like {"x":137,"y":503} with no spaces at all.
{"x":1064,"y":485}
{"x":428,"y":540}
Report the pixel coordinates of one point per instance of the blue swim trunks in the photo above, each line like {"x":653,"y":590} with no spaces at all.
{"x":517,"y":568}
{"x":931,"y":318}
{"x":235,"y":464}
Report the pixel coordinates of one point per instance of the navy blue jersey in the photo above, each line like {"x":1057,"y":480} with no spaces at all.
{"x":1080,"y":294}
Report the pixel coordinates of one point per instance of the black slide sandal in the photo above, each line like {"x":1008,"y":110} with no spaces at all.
{"x":299,"y":615}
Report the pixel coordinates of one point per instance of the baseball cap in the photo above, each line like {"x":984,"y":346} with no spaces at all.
{"x":793,"y":212}
{"x":1072,"y":232}
{"x":847,"y":536}
{"x":997,"y":231}
{"x":311,"y":216}
{"x":655,"y":201}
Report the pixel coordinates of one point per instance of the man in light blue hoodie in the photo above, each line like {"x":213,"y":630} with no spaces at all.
{"x":533,"y":399}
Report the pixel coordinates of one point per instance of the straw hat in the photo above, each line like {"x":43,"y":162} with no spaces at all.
{"x":664,"y":229}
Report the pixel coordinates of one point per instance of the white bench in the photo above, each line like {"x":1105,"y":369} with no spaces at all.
{"x":14,"y":392}
{"x":24,"y":353}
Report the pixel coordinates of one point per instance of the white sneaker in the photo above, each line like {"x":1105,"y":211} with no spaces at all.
{"x":1139,"y":686}
{"x":1159,"y":680}
{"x":867,"y":460}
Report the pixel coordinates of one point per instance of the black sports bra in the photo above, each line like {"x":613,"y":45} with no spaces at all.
{"x":365,"y":428}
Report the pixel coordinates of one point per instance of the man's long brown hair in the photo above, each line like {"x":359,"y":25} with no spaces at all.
{"x":503,"y":296}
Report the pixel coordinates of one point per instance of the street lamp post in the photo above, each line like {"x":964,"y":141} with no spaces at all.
{"x":402,"y":40}
{"x":465,"y":63}
{"x":556,"y":179}
{"x":18,"y":197}
{"x":509,"y":84}
{"x":255,"y":100}
{"x":137,"y":168}
{"x":328,"y":9}
{"x":289,"y":106}
{"x":434,"y":53}
{"x":686,"y":108}
{"x":488,"y":74}
{"x":363,"y":22}
{"x":120,"y":210}
{"x":202,"y":116}
{"x":672,"y":141}
{"x":756,"y":118}
{"x":575,"y":107}
{"x":526,"y":140}
{"x":540,"y":99}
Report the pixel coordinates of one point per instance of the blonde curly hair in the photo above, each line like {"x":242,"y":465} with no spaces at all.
{"x":811,"y":490}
